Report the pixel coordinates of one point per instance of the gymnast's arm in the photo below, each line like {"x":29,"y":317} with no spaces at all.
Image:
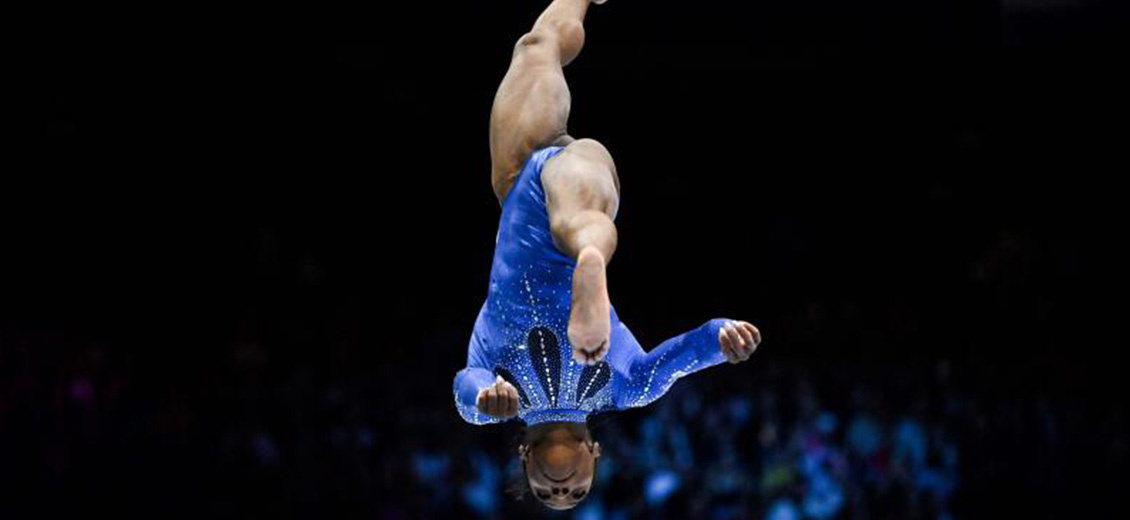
{"x":651,"y":374}
{"x":480,"y":396}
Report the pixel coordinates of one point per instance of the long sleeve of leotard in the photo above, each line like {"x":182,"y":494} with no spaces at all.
{"x":651,"y":374}
{"x":468,"y":381}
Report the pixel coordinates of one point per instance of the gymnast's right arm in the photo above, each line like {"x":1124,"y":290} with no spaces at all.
{"x":480,"y":397}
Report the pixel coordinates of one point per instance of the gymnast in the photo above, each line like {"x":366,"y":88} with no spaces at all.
{"x":547,"y":345}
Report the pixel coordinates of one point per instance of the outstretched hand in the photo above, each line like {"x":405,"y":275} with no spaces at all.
{"x":738,"y":340}
{"x":500,"y":399}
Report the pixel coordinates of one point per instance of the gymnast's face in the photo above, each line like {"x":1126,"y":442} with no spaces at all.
{"x":560,"y":469}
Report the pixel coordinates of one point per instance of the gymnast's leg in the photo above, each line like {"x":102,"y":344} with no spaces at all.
{"x":582,"y":196}
{"x":531,"y":107}
{"x":531,"y":111}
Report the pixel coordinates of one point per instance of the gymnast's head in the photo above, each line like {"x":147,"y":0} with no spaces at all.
{"x":558,"y":462}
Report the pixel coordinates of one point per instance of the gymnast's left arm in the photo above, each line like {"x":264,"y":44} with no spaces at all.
{"x":651,"y":374}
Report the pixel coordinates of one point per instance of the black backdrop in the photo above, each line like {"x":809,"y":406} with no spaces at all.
{"x":320,"y":184}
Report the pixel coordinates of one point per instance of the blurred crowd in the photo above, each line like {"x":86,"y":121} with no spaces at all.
{"x":777,"y":441}
{"x":285,"y":418}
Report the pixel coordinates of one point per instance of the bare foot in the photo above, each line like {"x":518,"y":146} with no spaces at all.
{"x":590,"y":321}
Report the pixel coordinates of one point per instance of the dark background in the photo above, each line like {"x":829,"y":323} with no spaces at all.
{"x":220,"y":228}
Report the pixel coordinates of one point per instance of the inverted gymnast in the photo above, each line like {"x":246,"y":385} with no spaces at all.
{"x":548,"y":347}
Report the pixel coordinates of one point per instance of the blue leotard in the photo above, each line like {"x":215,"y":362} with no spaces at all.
{"x":520,"y":332}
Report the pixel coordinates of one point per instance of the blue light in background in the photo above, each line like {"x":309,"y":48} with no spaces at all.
{"x":660,"y":485}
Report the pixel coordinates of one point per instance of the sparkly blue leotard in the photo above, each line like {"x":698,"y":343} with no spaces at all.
{"x":520,"y":332}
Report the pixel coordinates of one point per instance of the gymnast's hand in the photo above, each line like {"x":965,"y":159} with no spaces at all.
{"x":500,"y":399}
{"x":738,"y":340}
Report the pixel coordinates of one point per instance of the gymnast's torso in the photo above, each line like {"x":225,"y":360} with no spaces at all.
{"x":520,"y":332}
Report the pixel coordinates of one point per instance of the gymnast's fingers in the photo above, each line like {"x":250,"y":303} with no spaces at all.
{"x":756,"y":334}
{"x":503,"y":400}
{"x":735,"y":338}
{"x":492,"y":400}
{"x":511,"y":400}
{"x":481,"y":400}
{"x":747,"y":338}
{"x":727,"y":348}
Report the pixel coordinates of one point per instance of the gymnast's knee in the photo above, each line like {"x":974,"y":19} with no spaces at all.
{"x":567,"y":36}
{"x":595,"y":152}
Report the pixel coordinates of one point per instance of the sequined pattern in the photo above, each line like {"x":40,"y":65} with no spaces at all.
{"x":521,"y":330}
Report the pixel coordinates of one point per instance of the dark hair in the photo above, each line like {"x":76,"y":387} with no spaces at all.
{"x":518,"y":486}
